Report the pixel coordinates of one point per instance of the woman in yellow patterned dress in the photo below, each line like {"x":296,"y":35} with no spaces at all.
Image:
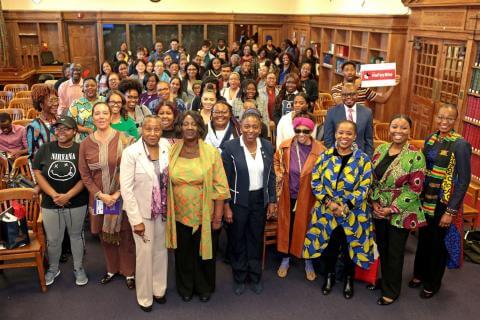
{"x":340,"y":222}
{"x":196,"y":191}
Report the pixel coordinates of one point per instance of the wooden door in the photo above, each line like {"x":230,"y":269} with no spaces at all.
{"x":436,"y":77}
{"x":264,"y":31}
{"x":82,"y":44}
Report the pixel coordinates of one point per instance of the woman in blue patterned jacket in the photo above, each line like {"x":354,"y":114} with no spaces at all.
{"x":340,"y":222}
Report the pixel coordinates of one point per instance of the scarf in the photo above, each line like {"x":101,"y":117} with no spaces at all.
{"x":213,"y":140}
{"x":113,"y":222}
{"x":439,"y":177}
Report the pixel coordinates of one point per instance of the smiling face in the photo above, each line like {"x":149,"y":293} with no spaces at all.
{"x":115,"y":103}
{"x":101,"y":116}
{"x":226,"y":71}
{"x":220,"y":116}
{"x":90,"y":89}
{"x":251,"y":127}
{"x":234,"y":81}
{"x":149,"y":67}
{"x":106,"y":68}
{"x":174,"y":68}
{"x":399,"y":130}
{"x":345,"y":135}
{"x":208,"y":100}
{"x":159,"y":67}
{"x":302,"y":134}
{"x":132,"y":99}
{"x":151,"y":83}
{"x":167,"y":117}
{"x":113,"y":81}
{"x":163,"y":90}
{"x":445,"y":119}
{"x":175,"y":85}
{"x":64,"y":134}
{"x":76,"y":72}
{"x":246,"y":67}
{"x":271,"y":80}
{"x":167,"y":60}
{"x":291,"y":84}
{"x":250,"y":91}
{"x":192,"y":71}
{"x":216,"y":64}
{"x":51,"y":103}
{"x":189,"y":129}
{"x":123,"y":71}
{"x":285,"y":60}
{"x":140,"y":67}
{"x":151,"y":131}
{"x":305,"y":70}
{"x":349,"y":95}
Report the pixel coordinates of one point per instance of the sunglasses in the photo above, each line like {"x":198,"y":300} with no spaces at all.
{"x":304,"y":131}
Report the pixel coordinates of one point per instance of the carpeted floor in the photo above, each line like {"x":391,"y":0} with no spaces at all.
{"x":290,"y":298}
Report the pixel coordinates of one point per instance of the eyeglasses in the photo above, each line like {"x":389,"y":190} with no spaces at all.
{"x":442,"y":118}
{"x":304,"y":131}
{"x":115,"y":103}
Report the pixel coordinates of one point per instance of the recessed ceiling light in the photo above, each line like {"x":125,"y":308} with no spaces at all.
{"x":36,"y":1}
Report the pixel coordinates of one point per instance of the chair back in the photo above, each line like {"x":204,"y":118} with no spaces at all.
{"x":23,"y":122}
{"x":16,"y":114}
{"x":51,"y":82}
{"x":381,"y":131}
{"x":26,"y":197}
{"x":21,"y":166}
{"x":4,"y":172}
{"x":22,"y":103}
{"x":23,"y":94}
{"x":325,"y":101}
{"x":272,"y":133}
{"x":417,"y":143}
{"x":15,"y":87}
{"x":32,"y":114}
{"x":7,"y":96}
{"x":319,"y":116}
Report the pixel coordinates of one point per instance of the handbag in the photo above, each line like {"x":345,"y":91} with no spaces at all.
{"x":13,"y":227}
{"x":20,"y":181}
{"x":471,"y":246}
{"x":369,"y":275}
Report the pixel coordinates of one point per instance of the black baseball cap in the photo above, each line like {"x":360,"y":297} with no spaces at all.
{"x":67,"y":121}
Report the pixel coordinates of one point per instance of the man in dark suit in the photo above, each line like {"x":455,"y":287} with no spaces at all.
{"x":350,"y":110}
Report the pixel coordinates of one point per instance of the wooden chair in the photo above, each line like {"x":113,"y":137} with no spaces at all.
{"x":21,"y":166}
{"x":32,"y":114}
{"x":269,"y":237}
{"x":417,"y":143}
{"x":23,"y":94}
{"x":319,"y":116}
{"x":15,"y":87}
{"x":272,"y":133}
{"x":30,"y":255}
{"x":23,"y":122}
{"x":7,"y":96}
{"x":381,"y":131}
{"x":16,"y":114}
{"x":470,"y":213}
{"x":376,"y":143}
{"x":4,"y":172}
{"x":3,"y":104}
{"x":325,"y":101}
{"x":50,"y":82}
{"x":21,"y":103}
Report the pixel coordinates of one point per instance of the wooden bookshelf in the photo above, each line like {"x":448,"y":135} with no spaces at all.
{"x":383,"y":37}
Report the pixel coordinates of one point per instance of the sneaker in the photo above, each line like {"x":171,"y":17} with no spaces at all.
{"x":81,"y":278}
{"x":50,"y":276}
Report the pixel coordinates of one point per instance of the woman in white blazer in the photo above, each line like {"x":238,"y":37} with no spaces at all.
{"x":143,"y":184}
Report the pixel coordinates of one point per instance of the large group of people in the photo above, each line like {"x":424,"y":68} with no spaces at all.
{"x":167,"y":150}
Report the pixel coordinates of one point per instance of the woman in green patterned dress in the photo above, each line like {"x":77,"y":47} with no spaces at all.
{"x":399,"y":173}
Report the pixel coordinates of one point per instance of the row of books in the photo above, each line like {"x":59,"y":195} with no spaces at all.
{"x":472,"y":112}
{"x":342,"y":50}
{"x":471,"y":133}
{"x":477,"y":57}
{"x":475,"y":82}
{"x":475,"y":166}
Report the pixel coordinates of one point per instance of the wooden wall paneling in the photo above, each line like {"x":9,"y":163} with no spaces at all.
{"x":469,"y":56}
{"x":101,"y":49}
{"x":274,"y":31}
{"x":83,"y":45}
{"x":127,"y":39}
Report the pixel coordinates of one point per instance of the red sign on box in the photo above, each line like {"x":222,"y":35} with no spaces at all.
{"x":378,"y":75}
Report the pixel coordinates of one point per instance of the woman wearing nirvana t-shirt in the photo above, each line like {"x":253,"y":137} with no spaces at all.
{"x":64,"y":201}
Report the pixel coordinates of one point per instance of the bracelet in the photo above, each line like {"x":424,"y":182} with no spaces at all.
{"x":451,"y":212}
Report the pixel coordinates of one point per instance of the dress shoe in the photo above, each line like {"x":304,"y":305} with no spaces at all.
{"x":130,"y":283}
{"x":161,"y":300}
{"x":204,"y":297}
{"x":373,"y":287}
{"x":382,"y":302}
{"x":146,"y":309}
{"x":187,"y":298}
{"x":348,"y":288}
{"x":239,"y":288}
{"x":426,"y":295}
{"x":257,"y":287}
{"x":328,"y":284}
{"x":414,"y":284}
{"x":107,"y":278}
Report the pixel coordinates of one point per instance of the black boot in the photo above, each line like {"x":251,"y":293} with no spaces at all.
{"x":328,"y":284}
{"x":348,"y":288}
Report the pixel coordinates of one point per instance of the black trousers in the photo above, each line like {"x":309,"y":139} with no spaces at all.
{"x":391,"y":243}
{"x":192,"y":274}
{"x":246,"y":237}
{"x":336,"y":245}
{"x":292,"y":222}
{"x":431,"y":256}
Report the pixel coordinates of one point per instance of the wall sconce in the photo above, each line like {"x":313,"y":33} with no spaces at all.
{"x":417,"y":44}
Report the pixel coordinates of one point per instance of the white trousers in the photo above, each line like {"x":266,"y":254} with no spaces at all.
{"x":151,"y":262}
